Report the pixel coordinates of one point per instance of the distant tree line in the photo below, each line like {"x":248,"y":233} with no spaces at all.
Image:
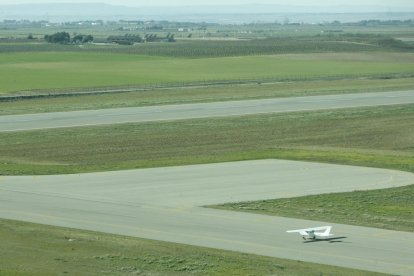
{"x":65,"y":38}
{"x":130,"y":39}
{"x":386,"y":22}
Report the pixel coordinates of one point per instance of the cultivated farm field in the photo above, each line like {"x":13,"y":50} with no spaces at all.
{"x":57,"y":70}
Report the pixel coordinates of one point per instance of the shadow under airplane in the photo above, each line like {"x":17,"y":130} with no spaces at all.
{"x":330,"y":240}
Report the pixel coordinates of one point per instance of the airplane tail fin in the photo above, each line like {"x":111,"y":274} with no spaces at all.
{"x":327,"y":230}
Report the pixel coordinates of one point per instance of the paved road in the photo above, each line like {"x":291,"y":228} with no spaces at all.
{"x":201,"y":110}
{"x":163,"y":204}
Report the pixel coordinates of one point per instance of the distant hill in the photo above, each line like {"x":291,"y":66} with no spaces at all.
{"x":74,"y":12}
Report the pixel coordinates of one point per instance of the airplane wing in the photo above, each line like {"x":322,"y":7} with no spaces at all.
{"x":305,"y":231}
{"x":300,"y":231}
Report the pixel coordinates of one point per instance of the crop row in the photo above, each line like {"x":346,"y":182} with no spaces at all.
{"x":208,"y":48}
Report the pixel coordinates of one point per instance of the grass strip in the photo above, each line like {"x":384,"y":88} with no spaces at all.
{"x":200,"y":95}
{"x":391,"y":208}
{"x":32,"y":249}
{"x":375,"y":136}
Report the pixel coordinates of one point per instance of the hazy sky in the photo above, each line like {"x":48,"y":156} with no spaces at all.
{"x":387,"y":3}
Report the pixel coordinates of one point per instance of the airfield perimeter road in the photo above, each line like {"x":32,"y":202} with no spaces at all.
{"x":162,"y":204}
{"x":200,"y":110}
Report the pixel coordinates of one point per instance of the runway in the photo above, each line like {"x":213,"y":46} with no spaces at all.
{"x":164,"y":204}
{"x":200,"y":110}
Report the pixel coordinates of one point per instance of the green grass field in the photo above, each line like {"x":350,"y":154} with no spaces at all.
{"x":54,"y":70}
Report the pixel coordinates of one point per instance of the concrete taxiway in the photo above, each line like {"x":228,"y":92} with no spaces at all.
{"x":200,"y":110}
{"x":164,"y":204}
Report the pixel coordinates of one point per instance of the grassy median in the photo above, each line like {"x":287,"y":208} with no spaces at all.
{"x":375,"y":136}
{"x":206,"y":93}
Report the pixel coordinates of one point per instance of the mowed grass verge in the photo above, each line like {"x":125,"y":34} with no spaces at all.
{"x":72,"y":102}
{"x":59,"y":70}
{"x":375,"y":136}
{"x":32,"y":249}
{"x":385,"y":208}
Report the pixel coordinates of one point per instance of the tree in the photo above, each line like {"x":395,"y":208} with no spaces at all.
{"x":64,"y":38}
{"x":60,"y":37}
{"x":87,"y":39}
{"x":170,"y":37}
{"x":78,"y":39}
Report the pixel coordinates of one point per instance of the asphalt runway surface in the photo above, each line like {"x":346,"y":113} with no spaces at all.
{"x":200,"y":110}
{"x":164,"y":204}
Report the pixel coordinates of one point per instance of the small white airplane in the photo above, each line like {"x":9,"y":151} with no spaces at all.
{"x":322,"y":232}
